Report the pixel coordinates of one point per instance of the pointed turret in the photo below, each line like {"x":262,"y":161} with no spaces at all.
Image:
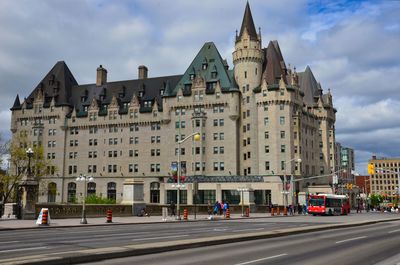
{"x":248,"y":25}
{"x":309,"y":85}
{"x":17,"y":104}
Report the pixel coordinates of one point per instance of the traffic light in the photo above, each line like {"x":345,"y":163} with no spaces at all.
{"x":371,"y":169}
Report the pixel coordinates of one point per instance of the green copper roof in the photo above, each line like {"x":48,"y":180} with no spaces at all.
{"x":210,"y":66}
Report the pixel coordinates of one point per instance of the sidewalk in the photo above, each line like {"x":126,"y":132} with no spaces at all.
{"x":9,"y":224}
{"x":22,"y":224}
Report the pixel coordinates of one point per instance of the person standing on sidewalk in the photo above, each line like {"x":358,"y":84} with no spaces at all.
{"x":172,"y":208}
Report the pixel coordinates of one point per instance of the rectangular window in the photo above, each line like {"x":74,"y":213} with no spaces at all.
{"x":215,"y":150}
{"x":282,"y":134}
{"x":283,"y":148}
{"x":266,"y":120}
{"x":266,"y":135}
{"x":266,"y":165}
{"x":282,"y":120}
{"x":221,"y":122}
{"x":221,"y":150}
{"x":215,"y":166}
{"x":267,"y":149}
{"x":215,"y":136}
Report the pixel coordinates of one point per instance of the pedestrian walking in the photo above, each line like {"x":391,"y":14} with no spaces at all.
{"x":209,"y":208}
{"x":304,"y":209}
{"x":217,"y":207}
{"x":172,"y":208}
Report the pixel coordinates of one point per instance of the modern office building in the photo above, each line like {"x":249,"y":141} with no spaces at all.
{"x":260,"y":122}
{"x":386,"y":179}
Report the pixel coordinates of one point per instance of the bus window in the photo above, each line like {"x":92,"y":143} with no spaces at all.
{"x":316,"y":202}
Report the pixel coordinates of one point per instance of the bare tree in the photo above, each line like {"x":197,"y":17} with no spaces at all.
{"x":10,"y":180}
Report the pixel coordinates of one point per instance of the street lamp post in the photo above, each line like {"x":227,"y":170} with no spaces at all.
{"x":196,"y":138}
{"x":291,"y":181}
{"x":85,"y":179}
{"x":242,"y":190}
{"x":29,"y":153}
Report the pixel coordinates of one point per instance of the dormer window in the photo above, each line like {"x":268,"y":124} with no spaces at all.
{"x":204,"y":66}
{"x":213,"y":75}
{"x":192,"y":76}
{"x":162,"y":92}
{"x":141,"y":94}
{"x":85,"y":108}
{"x":147,"y":103}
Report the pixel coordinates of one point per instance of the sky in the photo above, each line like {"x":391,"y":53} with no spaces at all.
{"x":351,"y":46}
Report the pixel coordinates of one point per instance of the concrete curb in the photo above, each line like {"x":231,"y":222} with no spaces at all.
{"x":92,"y":255}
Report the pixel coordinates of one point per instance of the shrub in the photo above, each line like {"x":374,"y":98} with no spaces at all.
{"x":94,"y":199}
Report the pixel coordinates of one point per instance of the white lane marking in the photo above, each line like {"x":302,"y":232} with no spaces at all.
{"x":257,"y":260}
{"x":8,"y":242}
{"x":220,"y":229}
{"x":394,"y":231}
{"x":249,"y":229}
{"x":350,"y":239}
{"x":21,"y":249}
{"x":160,"y":237}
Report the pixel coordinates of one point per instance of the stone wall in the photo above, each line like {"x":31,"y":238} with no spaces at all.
{"x":58,"y":211}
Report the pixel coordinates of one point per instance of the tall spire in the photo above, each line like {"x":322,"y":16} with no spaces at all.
{"x":248,"y":24}
{"x":17,"y":104}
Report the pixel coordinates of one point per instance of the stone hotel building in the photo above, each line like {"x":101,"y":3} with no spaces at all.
{"x":260,"y":123}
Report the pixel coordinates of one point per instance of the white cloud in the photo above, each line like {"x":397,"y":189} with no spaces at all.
{"x":352,"y":49}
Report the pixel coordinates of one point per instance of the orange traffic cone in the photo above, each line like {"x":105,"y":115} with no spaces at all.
{"x":185,"y":214}
{"x":228,"y":213}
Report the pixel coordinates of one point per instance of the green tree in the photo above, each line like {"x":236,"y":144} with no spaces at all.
{"x":10,"y":180}
{"x":376,"y":199}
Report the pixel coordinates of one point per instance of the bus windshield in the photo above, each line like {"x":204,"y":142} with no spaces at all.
{"x":317,"y":202}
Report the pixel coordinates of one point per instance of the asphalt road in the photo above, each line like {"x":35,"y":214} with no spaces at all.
{"x":28,"y":242}
{"x":370,"y":244}
{"x":70,"y":244}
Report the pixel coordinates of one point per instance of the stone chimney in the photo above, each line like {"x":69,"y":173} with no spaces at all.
{"x":142,"y":72}
{"x":101,"y":77}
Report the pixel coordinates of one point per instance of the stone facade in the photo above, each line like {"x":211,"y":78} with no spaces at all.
{"x":257,"y":121}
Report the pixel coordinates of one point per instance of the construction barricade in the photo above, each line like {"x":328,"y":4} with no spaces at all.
{"x":109,"y":216}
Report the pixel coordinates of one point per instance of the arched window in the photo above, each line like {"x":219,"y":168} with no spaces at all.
{"x":51,"y":192}
{"x":91,"y":188}
{"x":71,"y":192}
{"x":112,"y":191}
{"x":154,"y":192}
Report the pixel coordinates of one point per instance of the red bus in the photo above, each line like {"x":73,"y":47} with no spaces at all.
{"x":328,"y":204}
